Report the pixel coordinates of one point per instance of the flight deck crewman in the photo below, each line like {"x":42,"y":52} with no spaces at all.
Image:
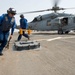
{"x":23,"y":27}
{"x":7,"y":21}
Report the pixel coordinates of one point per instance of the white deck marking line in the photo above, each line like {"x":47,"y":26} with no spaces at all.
{"x":68,"y":37}
{"x":54,"y":38}
{"x":48,"y":39}
{"x":40,"y":39}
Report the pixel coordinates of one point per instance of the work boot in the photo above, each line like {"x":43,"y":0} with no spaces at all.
{"x":1,"y":54}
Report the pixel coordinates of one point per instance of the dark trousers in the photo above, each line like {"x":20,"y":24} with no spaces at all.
{"x":20,"y":36}
{"x":3,"y":40}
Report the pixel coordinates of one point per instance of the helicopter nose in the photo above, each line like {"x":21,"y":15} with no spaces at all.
{"x":29,"y":26}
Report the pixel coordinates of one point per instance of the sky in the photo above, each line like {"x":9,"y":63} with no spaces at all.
{"x":34,"y":5}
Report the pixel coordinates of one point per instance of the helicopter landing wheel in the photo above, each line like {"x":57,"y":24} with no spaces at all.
{"x":66,"y":32}
{"x":60,"y":31}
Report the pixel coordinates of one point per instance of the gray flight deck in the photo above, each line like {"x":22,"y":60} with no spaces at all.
{"x":56,"y":56}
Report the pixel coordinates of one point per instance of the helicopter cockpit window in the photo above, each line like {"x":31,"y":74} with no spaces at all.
{"x":34,"y":20}
{"x":39,"y":18}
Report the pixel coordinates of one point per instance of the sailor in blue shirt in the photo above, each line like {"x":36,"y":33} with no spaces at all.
{"x":23,"y":26}
{"x":7,"y":21}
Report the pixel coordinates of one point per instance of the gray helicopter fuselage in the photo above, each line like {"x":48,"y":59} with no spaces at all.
{"x":53,"y":22}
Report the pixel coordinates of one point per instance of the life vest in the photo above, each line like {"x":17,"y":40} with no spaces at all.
{"x":6,"y":25}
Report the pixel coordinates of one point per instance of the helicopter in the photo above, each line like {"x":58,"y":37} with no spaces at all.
{"x":61,"y":22}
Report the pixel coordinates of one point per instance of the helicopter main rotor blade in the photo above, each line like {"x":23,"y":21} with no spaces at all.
{"x":53,"y":9}
{"x":68,"y":8}
{"x":56,"y":3}
{"x":65,"y":8}
{"x":34,"y":11}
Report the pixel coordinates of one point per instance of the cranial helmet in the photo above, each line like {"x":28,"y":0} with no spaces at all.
{"x":11,"y":10}
{"x":21,"y":16}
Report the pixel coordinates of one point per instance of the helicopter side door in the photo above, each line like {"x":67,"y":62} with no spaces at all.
{"x":64,"y":21}
{"x":68,"y":24}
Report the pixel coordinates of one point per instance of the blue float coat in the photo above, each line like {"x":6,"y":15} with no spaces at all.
{"x":23,"y":23}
